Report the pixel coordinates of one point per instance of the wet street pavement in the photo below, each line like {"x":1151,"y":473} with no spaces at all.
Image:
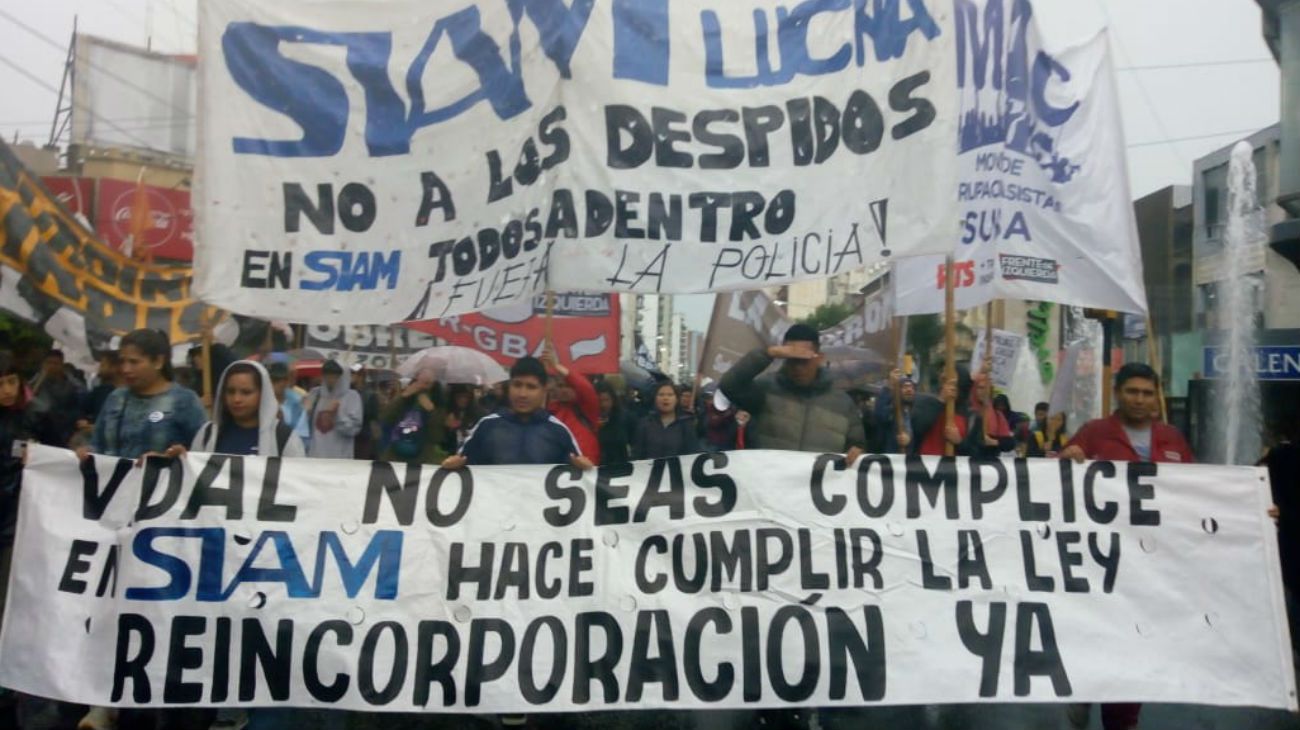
{"x":951,"y":717}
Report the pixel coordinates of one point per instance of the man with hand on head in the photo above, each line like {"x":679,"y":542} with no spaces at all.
{"x":794,"y":409}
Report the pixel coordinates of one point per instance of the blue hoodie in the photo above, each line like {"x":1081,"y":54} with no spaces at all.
{"x":505,"y":438}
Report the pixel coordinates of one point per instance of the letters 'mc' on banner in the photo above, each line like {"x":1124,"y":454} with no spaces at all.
{"x":400,"y":161}
{"x":243,"y":581}
{"x":1045,"y":209}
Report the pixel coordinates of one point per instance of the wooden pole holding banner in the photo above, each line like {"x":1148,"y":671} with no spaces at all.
{"x":550,"y":323}
{"x":986,"y":368}
{"x":1107,"y":366}
{"x":207,"y":322}
{"x":1153,"y":354}
{"x":896,"y":342}
{"x":950,"y":353}
{"x":987,"y":364}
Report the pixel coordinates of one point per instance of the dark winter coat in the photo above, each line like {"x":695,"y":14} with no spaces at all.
{"x":15,"y":427}
{"x":654,"y":440}
{"x":508,"y":438}
{"x":615,"y":436}
{"x":815,"y":418}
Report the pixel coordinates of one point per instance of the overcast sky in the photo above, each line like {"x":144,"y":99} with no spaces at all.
{"x":1195,"y":75}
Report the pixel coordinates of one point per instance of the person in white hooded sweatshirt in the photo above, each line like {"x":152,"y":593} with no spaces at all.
{"x":247,"y":421}
{"x":336,"y":415}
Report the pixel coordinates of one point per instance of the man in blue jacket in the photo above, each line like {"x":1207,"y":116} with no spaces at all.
{"x":523,"y":432}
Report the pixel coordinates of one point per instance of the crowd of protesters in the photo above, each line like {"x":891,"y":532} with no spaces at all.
{"x":137,"y":406}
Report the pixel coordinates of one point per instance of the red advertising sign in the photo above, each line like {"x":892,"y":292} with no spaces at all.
{"x":168,"y":219}
{"x":586,"y":331}
{"x":74,"y":192}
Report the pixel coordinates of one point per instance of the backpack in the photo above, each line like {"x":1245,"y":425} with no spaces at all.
{"x":406,"y":437}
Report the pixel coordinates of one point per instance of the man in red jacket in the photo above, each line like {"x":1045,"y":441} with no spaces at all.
{"x":1131,"y":433}
{"x":575,"y":403}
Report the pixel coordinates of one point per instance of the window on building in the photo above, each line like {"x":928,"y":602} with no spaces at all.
{"x":1181,"y":314}
{"x":1206,"y":305}
{"x":1215,"y":182}
{"x":1263,"y":179}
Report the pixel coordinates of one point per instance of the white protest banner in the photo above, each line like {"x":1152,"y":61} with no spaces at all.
{"x":1005,"y":354}
{"x":1046,"y":213}
{"x":748,"y":579}
{"x":370,"y":163}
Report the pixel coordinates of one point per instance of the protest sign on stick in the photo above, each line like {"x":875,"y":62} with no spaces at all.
{"x":1002,"y":358}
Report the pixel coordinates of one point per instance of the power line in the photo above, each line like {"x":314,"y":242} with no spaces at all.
{"x":1142,"y":89}
{"x":135,"y":120}
{"x":40,"y":82}
{"x":1194,"y":138}
{"x":135,"y":127}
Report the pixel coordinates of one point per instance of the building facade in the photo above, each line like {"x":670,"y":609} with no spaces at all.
{"x":1165,"y":221}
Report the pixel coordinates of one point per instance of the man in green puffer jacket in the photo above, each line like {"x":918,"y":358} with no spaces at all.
{"x":795,"y":409}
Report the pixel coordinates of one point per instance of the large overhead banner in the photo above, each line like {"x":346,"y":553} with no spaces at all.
{"x":403,"y":160}
{"x":1045,"y":210}
{"x":219,"y":580}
